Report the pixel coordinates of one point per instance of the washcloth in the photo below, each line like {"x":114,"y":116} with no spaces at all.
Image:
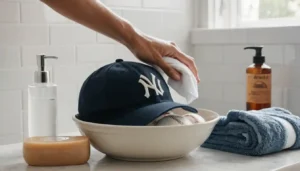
{"x":187,"y":87}
{"x":256,"y":132}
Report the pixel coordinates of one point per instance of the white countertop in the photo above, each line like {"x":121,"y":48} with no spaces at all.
{"x":202,"y":159}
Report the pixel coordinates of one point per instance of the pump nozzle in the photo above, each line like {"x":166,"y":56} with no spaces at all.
{"x":42,"y":76}
{"x":258,"y":58}
{"x":41,"y":61}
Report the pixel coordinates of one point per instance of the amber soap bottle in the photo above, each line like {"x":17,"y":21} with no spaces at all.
{"x":259,"y":80}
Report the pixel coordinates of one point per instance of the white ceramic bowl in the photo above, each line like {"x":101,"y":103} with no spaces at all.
{"x":148,"y":143}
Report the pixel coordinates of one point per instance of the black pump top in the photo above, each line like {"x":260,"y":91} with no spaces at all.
{"x":258,"y":58}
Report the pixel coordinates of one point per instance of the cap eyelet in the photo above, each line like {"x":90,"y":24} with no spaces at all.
{"x":119,"y":60}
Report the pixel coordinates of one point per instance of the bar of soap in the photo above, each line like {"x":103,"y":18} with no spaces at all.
{"x":56,"y":151}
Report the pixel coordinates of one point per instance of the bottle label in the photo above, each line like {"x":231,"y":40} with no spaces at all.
{"x":259,"y":88}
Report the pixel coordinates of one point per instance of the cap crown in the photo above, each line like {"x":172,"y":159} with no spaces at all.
{"x":119,"y":87}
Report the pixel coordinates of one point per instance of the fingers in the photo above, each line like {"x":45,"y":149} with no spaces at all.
{"x":189,"y":62}
{"x":175,"y":46}
{"x":170,"y":71}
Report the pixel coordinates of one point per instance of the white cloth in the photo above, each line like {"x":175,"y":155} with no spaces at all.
{"x":187,"y":87}
{"x":290,"y":132}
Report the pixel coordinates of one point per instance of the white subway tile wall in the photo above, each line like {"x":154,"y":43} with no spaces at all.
{"x":33,"y":13}
{"x":222,"y":63}
{"x":169,"y":4}
{"x":127,"y":3}
{"x":28,"y":28}
{"x":23,"y":34}
{"x":9,"y":12}
{"x":144,"y":19}
{"x":71,"y":34}
{"x":11,"y":114}
{"x":10,"y":57}
{"x":95,"y":53}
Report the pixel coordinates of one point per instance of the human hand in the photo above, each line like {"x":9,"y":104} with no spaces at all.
{"x":148,"y":49}
{"x":151,"y":50}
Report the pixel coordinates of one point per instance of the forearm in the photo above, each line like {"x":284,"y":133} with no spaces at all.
{"x":93,"y":14}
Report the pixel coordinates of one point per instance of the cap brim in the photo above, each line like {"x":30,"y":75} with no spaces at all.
{"x":144,"y":115}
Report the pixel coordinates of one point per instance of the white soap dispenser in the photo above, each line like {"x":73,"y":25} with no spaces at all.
{"x":42,"y":103}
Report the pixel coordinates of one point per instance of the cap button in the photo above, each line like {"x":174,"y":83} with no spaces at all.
{"x":119,"y":60}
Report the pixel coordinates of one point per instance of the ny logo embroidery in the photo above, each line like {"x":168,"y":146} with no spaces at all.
{"x":151,"y":85}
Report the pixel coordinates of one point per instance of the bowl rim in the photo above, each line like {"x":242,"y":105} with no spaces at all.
{"x":217,"y":117}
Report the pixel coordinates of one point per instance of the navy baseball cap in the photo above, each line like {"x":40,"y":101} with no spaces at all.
{"x":125,"y":93}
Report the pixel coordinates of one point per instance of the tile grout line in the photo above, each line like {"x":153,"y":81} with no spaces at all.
{"x":20,"y":12}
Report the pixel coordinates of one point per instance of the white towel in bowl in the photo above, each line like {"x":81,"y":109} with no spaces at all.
{"x":187,"y":87}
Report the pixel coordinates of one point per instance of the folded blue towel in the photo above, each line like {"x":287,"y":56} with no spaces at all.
{"x":255,"y":132}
